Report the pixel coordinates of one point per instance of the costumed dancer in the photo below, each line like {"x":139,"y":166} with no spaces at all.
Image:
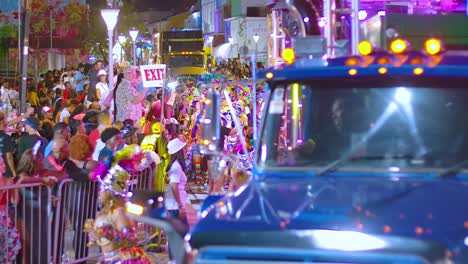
{"x":196,"y":155}
{"x":112,"y":230}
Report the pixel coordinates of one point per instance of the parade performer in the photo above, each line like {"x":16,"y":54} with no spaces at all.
{"x":194,"y":127}
{"x":112,"y":230}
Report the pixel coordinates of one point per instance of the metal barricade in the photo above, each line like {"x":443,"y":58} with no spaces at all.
{"x":77,"y":202}
{"x":26,"y":212}
{"x":143,"y":180}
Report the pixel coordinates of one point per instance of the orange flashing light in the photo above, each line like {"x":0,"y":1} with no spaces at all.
{"x":433,"y":46}
{"x":419,"y":230}
{"x":288,"y":55}
{"x":387,"y":229}
{"x":416,"y":61}
{"x":365,"y":48}
{"x":269,"y":75}
{"x":382,"y":70}
{"x":398,"y":46}
{"x":352,"y":72}
{"x":418,"y":71}
{"x":384,"y":60}
{"x":353,"y":61}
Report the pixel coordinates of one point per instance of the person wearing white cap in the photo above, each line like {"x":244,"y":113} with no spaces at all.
{"x":176,"y":196}
{"x":102,"y":89}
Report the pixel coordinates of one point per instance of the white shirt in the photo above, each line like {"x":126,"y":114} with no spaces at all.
{"x":104,"y":90}
{"x":13,"y":94}
{"x":99,"y":146}
{"x":5,"y":97}
{"x":64,"y":114}
{"x":176,"y":175}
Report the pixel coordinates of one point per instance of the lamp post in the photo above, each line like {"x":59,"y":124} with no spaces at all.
{"x":254,"y":90}
{"x":110,"y":17}
{"x":231,"y":41}
{"x":121,"y":39}
{"x":210,"y":39}
{"x":134,"y":34}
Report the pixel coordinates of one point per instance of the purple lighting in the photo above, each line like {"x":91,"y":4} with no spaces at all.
{"x":362,"y":14}
{"x":306,"y":19}
{"x":382,"y":13}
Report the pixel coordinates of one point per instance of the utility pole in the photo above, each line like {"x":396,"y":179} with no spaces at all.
{"x":25,"y":53}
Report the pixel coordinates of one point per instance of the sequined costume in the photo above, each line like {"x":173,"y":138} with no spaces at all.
{"x":112,"y":230}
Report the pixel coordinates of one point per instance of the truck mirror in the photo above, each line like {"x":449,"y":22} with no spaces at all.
{"x":210,"y":123}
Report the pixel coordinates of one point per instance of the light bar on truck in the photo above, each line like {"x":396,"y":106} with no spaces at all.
{"x":433,"y":46}
{"x":398,"y":46}
{"x":365,"y":48}
{"x":289,"y":56}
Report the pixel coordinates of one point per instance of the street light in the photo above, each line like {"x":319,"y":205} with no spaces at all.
{"x":210,"y":39}
{"x":134,"y":34}
{"x":110,"y":17}
{"x":121,"y":39}
{"x":256,"y":38}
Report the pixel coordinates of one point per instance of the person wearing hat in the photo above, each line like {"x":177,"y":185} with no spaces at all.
{"x":176,"y":196}
{"x":112,"y":139}
{"x":47,"y":113}
{"x":79,"y":79}
{"x":150,"y":141}
{"x":102,"y":89}
{"x":129,"y":134}
{"x":153,"y":142}
{"x":31,"y":125}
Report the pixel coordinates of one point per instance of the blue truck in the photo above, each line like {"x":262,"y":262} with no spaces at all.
{"x":361,"y":159}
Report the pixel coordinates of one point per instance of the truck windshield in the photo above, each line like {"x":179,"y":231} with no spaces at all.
{"x":397,"y":125}
{"x":177,"y":61}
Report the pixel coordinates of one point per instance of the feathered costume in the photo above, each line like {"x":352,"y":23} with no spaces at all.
{"x":121,"y":243}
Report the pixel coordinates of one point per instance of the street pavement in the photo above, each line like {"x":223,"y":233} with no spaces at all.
{"x":194,"y":202}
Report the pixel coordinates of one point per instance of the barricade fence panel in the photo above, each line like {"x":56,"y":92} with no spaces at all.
{"x":78,"y":201}
{"x":41,"y":224}
{"x":25,"y":224}
{"x":143,"y":180}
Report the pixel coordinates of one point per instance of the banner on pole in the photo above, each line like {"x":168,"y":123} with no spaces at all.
{"x":153,"y":75}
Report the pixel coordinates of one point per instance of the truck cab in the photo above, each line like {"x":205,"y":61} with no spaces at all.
{"x":361,"y":159}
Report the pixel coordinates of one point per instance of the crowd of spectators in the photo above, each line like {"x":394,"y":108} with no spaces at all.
{"x":74,"y":122}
